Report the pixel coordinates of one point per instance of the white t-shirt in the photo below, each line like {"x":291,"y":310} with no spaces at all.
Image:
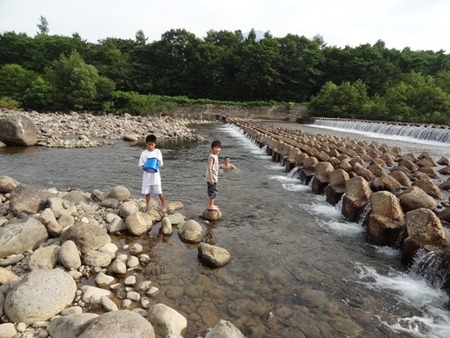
{"x":150,"y":178}
{"x":215,"y":168}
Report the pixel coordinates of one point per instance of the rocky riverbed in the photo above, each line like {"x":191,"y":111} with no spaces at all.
{"x":64,"y":274}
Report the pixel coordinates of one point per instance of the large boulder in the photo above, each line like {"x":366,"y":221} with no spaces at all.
{"x":28,"y":199}
{"x":7,"y":184}
{"x":166,"y":320}
{"x":429,"y":187}
{"x":224,"y":328}
{"x":70,"y":326}
{"x":138,"y":223}
{"x":119,"y":193}
{"x":425,"y":231}
{"x":336,"y":187}
{"x":121,"y":323}
{"x":18,"y":130}
{"x":321,"y":178}
{"x":16,"y":238}
{"x":86,"y":236}
{"x":41,"y":295}
{"x":212,"y":255}
{"x":357,"y":193}
{"x":386,"y":219}
{"x":415,"y":198}
{"x":190,"y":232}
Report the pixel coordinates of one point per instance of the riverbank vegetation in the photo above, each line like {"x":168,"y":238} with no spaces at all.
{"x":51,"y":72}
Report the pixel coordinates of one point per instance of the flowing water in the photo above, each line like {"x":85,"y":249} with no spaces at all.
{"x":297,"y":268}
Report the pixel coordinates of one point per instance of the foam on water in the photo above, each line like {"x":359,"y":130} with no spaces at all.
{"x":434,"y":320}
{"x":243,"y":140}
{"x":384,"y":136}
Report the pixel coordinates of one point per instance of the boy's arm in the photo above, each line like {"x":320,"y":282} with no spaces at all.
{"x":160,"y":158}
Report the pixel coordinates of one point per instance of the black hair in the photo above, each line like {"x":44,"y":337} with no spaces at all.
{"x":216,"y":143}
{"x":150,"y":138}
{"x":226,"y":157}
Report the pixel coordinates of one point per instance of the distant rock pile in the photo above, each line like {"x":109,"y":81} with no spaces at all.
{"x":83,"y":130}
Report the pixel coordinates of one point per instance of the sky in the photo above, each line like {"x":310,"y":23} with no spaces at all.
{"x":417,"y":24}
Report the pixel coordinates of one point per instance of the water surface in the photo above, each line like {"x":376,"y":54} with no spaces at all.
{"x":297,"y":268}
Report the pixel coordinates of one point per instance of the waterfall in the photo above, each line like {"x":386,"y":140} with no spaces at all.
{"x":362,"y":217}
{"x":422,"y":132}
{"x":430,"y":267}
{"x":293,"y":173}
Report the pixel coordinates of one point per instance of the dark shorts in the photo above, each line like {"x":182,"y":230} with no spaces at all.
{"x":212,"y":190}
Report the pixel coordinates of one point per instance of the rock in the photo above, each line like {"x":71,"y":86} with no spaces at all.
{"x":128,"y":208}
{"x":415,"y":198}
{"x":87,"y":237}
{"x":97,"y":259}
{"x":18,"y":130}
{"x":223,"y":329}
{"x":93,"y":295}
{"x":108,"y":304}
{"x":130,"y":137}
{"x":321,"y":178}
{"x":120,"y":193}
{"x":16,"y":238}
{"x":166,"y":320}
{"x":386,"y":219}
{"x":443,"y":161}
{"x":138,"y":223}
{"x":44,"y":258}
{"x":212,"y":215}
{"x":176,"y":218}
{"x":401,"y":177}
{"x":41,"y":295}
{"x":166,"y":226}
{"x":191,"y":232}
{"x":122,"y":323}
{"x":429,"y":187}
{"x":212,"y":255}
{"x":7,"y":330}
{"x":444,"y":215}
{"x":424,"y":231}
{"x":70,"y":326}
{"x":386,"y":182}
{"x":48,"y":218}
{"x":336,"y":186}
{"x":103,"y":279}
{"x":7,"y":277}
{"x":69,"y":255}
{"x":28,"y":199}
{"x":445,"y":170}
{"x":7,"y":184}
{"x":118,"y":267}
{"x":357,"y":193}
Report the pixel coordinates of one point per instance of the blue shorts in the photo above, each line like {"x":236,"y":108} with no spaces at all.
{"x":212,"y":190}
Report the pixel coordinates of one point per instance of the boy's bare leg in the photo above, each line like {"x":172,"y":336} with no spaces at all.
{"x":162,"y":198}
{"x":147,"y":202}
{"x":211,"y":205}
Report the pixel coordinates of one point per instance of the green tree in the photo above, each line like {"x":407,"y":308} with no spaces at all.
{"x":14,"y":81}
{"x":74,"y":82}
{"x":43,"y":26}
{"x":347,"y":100}
{"x":39,"y":96}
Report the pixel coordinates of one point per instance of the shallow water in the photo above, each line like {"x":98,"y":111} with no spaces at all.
{"x":297,"y":268}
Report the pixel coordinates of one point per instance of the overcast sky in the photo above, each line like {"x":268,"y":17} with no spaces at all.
{"x":418,"y":24}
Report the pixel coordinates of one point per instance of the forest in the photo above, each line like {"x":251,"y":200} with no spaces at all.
{"x":52,"y":72}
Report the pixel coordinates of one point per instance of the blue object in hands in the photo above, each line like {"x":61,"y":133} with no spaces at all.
{"x":152,"y":165}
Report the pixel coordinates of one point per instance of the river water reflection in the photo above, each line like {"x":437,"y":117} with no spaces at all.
{"x":297,"y":268}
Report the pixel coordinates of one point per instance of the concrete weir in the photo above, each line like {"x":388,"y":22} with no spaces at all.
{"x":407,"y":195}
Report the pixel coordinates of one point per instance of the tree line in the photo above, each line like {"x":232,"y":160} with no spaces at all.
{"x":52,"y":72}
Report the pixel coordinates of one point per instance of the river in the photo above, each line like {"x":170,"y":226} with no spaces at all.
{"x":297,"y":268}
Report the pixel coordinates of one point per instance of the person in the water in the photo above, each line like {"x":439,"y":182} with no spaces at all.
{"x":227,"y":165}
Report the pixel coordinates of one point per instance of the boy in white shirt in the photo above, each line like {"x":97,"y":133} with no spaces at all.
{"x":151,"y":181}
